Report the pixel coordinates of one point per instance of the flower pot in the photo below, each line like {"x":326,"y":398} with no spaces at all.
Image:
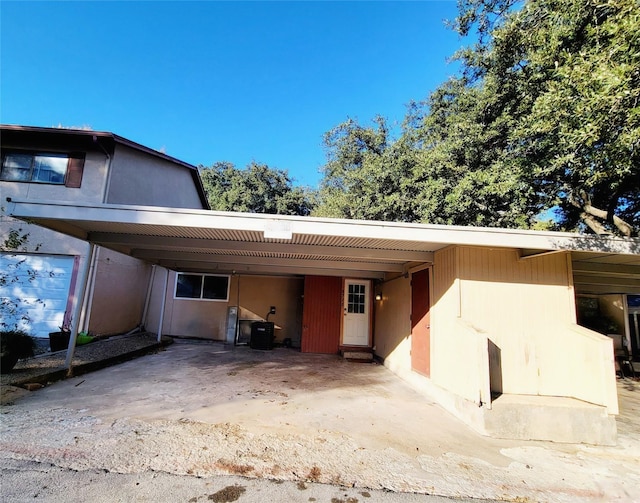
{"x":59,"y":340}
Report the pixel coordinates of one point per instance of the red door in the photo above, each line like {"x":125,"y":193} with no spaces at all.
{"x":321,"y":314}
{"x":420,"y":323}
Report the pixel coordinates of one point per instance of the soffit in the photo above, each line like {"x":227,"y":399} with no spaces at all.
{"x":605,"y":273}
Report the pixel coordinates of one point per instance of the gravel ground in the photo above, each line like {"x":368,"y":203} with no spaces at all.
{"x":86,"y":356}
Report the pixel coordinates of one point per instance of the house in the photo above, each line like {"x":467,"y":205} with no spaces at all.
{"x":73,"y":167}
{"x":483,"y":320}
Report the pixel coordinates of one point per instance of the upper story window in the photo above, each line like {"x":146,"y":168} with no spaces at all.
{"x":41,"y":167}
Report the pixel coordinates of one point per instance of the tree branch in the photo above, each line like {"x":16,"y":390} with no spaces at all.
{"x":593,"y":224}
{"x":624,"y":228}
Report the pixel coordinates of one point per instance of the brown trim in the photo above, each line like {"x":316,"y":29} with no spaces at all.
{"x":75,"y":168}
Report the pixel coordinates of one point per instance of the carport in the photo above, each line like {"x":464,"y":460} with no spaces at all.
{"x":253,"y":244}
{"x":501,"y":302}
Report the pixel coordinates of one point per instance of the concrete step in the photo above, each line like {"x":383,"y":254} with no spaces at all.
{"x":558,"y":419}
{"x":357,"y":356}
{"x":357,"y":353}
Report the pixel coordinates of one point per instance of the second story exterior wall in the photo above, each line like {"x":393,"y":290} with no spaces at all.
{"x":142,"y":179}
{"x":91,"y":190}
{"x":51,"y":164}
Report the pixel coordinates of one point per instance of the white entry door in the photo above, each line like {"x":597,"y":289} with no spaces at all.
{"x":357,"y":302}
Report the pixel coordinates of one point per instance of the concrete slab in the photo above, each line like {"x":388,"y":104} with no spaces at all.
{"x":205,"y":409}
{"x":558,"y":419}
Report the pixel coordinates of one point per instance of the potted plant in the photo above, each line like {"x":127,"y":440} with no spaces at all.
{"x":14,"y":345}
{"x":60,"y":340}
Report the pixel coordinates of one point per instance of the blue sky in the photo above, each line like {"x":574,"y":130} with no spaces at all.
{"x":212,"y":81}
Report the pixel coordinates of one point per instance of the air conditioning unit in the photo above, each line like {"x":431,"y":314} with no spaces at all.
{"x":262,"y":335}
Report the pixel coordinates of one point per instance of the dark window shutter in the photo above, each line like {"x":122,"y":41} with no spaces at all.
{"x":74,"y":170}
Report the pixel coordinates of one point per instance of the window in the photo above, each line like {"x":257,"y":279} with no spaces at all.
{"x":356,"y":299}
{"x":53,"y":168}
{"x":202,"y":287}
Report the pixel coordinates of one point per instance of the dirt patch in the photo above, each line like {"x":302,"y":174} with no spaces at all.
{"x":234,"y":468}
{"x":227,"y":495}
{"x":314,"y":474}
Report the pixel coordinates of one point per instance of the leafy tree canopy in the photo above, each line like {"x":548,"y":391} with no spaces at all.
{"x":544,"y":115}
{"x":255,"y":189}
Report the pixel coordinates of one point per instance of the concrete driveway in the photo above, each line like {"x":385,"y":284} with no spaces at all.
{"x":206,"y":409}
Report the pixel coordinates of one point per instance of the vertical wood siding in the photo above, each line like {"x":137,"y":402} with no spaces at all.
{"x":321,"y":314}
{"x":523,"y":305}
{"x":393,"y":324}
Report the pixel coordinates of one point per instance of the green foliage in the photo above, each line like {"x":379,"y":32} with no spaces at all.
{"x":367,"y":176}
{"x":13,"y":308}
{"x":256,"y":189}
{"x":544,"y":115}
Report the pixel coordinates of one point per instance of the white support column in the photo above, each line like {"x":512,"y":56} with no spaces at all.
{"x":164,"y":298}
{"x":77,"y":309}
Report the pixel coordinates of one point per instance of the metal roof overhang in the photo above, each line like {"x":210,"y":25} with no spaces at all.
{"x":247,"y":243}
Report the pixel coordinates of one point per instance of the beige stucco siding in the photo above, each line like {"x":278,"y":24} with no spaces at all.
{"x":208,"y":319}
{"x":91,"y":189}
{"x":138,"y":178}
{"x":119,"y":294}
{"x":195,"y":318}
{"x":47,"y":241}
{"x":259,"y":293}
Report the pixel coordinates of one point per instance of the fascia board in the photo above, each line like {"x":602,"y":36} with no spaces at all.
{"x":472,"y":236}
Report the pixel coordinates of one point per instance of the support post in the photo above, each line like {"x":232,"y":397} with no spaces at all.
{"x":77,"y":309}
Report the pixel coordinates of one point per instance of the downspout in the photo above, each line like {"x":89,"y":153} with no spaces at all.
{"x":90,"y":285}
{"x":164,"y":298}
{"x":107,"y":184}
{"x":75,"y":321}
{"x":86,"y":311}
{"x":143,"y":321}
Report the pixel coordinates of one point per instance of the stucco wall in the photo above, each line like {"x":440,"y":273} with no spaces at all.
{"x":259,"y":293}
{"x":91,"y":189}
{"x":138,"y":178}
{"x":207,"y":319}
{"x":46,"y":241}
{"x":119,"y":294}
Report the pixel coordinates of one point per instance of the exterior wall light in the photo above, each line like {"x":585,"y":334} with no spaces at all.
{"x":379,"y":296}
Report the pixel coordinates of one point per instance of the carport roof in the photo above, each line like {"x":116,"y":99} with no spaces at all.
{"x":247,"y":243}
